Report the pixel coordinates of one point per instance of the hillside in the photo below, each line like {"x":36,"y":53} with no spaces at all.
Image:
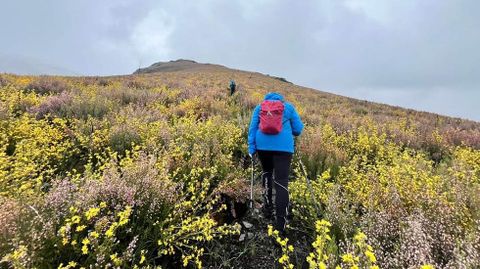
{"x":342,"y":112}
{"x":177,"y":65}
{"x":151,"y":169}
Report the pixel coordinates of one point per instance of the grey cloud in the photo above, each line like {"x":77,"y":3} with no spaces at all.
{"x":419,"y":54}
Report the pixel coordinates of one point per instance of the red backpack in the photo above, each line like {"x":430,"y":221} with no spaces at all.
{"x":271,"y":115}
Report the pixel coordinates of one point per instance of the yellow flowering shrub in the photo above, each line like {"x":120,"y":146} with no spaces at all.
{"x":90,"y":235}
{"x":323,"y":246}
{"x":15,"y":101}
{"x":376,"y":176}
{"x":287,"y":249}
{"x":325,"y":251}
{"x":308,"y":203}
{"x":33,"y":151}
{"x":362,"y":255}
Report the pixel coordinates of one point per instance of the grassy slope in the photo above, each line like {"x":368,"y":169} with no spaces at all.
{"x":317,"y":106}
{"x":203,"y":90}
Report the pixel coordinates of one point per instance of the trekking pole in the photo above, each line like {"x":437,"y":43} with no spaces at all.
{"x":251,"y":184}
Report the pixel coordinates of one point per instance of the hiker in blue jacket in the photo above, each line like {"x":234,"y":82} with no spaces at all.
{"x":232,"y":86}
{"x":275,"y":153}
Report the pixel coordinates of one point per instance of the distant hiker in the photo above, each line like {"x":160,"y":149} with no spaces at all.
{"x":232,"y":87}
{"x":273,"y":125}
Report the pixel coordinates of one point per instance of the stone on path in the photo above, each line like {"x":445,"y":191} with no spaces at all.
{"x":247,"y":225}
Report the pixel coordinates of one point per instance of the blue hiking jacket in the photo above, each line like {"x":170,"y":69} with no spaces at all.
{"x":291,"y":126}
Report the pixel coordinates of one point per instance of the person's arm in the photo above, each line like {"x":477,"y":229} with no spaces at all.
{"x":252,"y":131}
{"x":297,"y":125}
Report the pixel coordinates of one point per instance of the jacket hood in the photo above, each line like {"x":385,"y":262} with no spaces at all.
{"x":274,"y":96}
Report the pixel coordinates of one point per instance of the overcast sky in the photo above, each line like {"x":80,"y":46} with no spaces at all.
{"x":418,"y":54}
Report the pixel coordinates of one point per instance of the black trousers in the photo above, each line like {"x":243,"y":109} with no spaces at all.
{"x":276,"y":167}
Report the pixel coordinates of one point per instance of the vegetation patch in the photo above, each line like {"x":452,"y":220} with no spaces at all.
{"x":151,"y":170}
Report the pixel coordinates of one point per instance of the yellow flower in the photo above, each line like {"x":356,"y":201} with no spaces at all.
{"x":270,"y":230}
{"x":283,"y":259}
{"x":81,"y":228}
{"x":371,"y":256}
{"x":348,"y":258}
{"x":63,"y":230}
{"x":111,"y":231}
{"x":92,"y":212}
{"x":76,"y":219}
{"x":115,"y":259}
{"x":85,"y":249}
{"x":360,"y":237}
{"x":94,"y":234}
{"x":124,"y":215}
{"x":186,"y":259}
{"x":311,"y":262}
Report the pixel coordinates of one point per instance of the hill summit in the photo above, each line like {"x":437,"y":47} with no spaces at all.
{"x":176,"y":65}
